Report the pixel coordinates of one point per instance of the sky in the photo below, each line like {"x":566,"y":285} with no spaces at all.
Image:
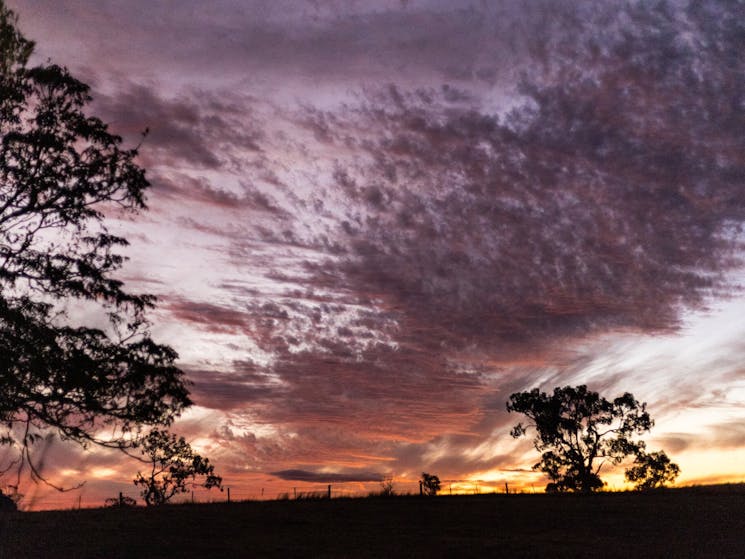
{"x":370,"y":222}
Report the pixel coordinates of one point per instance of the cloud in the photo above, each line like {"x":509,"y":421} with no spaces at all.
{"x":284,"y":43}
{"x":728,"y":435}
{"x":327,"y":477}
{"x":181,"y":188}
{"x":467,"y":240}
{"x":202,"y":130}
{"x":674,"y":443}
{"x":206,"y":315}
{"x":385,"y":394}
{"x":382,"y":395}
{"x":238,"y":389}
{"x":600,"y":204}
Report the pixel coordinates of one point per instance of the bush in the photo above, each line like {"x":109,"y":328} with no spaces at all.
{"x":7,"y":504}
{"x":120,"y":502}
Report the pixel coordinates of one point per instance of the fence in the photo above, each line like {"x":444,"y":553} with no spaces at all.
{"x":36,"y":498}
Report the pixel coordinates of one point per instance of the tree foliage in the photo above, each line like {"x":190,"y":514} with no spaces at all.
{"x":651,"y":471}
{"x":387,"y":488}
{"x":7,"y":504}
{"x":61,"y":173}
{"x":174,"y":468}
{"x":578,"y":431}
{"x":430,"y":484}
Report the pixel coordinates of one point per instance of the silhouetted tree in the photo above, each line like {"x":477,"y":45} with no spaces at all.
{"x":174,"y":468}
{"x":386,"y":488}
{"x":652,"y":470}
{"x":430,"y":484}
{"x":7,"y":504}
{"x":60,"y":170}
{"x":575,"y":429}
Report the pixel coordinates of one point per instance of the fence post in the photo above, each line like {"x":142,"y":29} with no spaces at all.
{"x":506,"y":488}
{"x":228,"y":494}
{"x":421,"y":490}
{"x":121,"y":499}
{"x":329,"y":490}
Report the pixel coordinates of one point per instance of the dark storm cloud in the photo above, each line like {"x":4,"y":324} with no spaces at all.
{"x":327,"y":477}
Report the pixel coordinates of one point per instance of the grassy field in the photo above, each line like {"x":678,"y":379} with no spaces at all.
{"x":697,"y":522}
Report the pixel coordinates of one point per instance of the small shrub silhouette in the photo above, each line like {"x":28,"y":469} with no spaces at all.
{"x":120,"y":502}
{"x":386,"y":489}
{"x":7,"y":504}
{"x":430,"y":484}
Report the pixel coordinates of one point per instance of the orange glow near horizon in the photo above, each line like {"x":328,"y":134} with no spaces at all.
{"x":258,"y":487}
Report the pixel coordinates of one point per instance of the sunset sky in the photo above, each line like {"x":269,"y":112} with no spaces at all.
{"x":372,"y":221}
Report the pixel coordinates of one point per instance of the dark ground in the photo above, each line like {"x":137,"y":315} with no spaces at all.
{"x":696,"y":522}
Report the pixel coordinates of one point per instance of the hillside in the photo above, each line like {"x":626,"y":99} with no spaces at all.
{"x":699,"y":522}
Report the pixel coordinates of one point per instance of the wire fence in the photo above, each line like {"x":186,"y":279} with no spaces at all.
{"x":37,"y":499}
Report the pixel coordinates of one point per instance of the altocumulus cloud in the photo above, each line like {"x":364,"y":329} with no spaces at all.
{"x":608,"y":197}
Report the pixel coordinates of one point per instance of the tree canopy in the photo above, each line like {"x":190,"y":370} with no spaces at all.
{"x":61,"y":172}
{"x":578,"y":432}
{"x":651,"y":471}
{"x":174,"y":468}
{"x":430,"y":484}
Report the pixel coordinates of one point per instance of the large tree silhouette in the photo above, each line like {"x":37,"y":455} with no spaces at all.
{"x":61,"y":171}
{"x":578,"y":431}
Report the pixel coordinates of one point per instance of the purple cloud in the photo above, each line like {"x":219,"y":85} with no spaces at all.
{"x":316,"y":477}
